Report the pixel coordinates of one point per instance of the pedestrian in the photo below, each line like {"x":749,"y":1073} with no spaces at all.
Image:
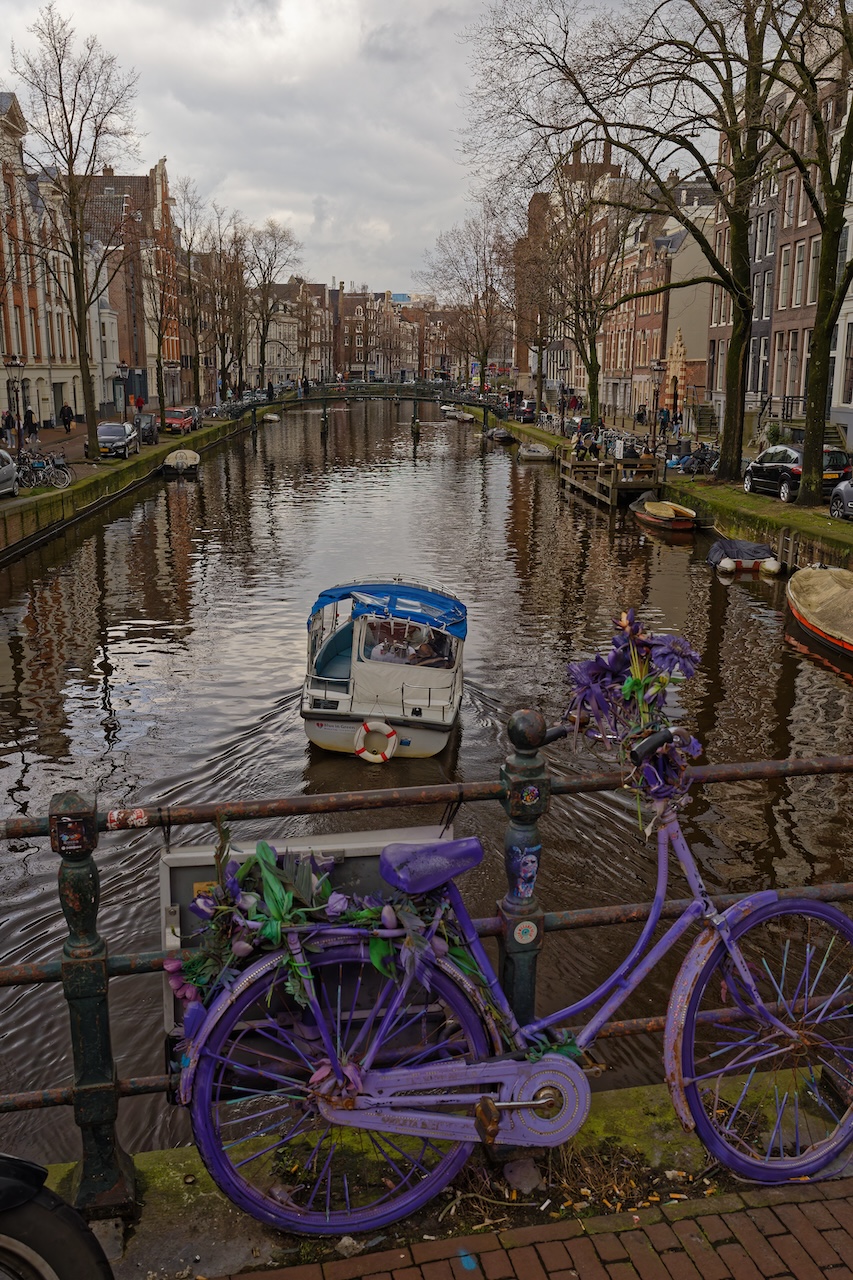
{"x":270,"y":391}
{"x":140,"y":404}
{"x":31,"y":428}
{"x":306,"y":386}
{"x":8,"y":426}
{"x":66,"y":417}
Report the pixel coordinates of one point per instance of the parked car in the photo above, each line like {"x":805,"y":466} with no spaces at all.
{"x":115,"y":440}
{"x":841,"y":501}
{"x":8,"y":474}
{"x":147,"y":427}
{"x":181,"y":421}
{"x":527,"y":411}
{"x":779,"y":468}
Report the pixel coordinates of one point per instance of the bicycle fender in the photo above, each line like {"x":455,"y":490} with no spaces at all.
{"x":20,"y":1181}
{"x":682,"y":991}
{"x":195,"y":1043}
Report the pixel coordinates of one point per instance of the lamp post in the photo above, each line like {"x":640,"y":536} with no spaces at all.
{"x":15,"y":366}
{"x":121,"y":373}
{"x":658,"y":368}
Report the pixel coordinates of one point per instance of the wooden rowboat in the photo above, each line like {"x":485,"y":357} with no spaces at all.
{"x":821,"y":600}
{"x":182,"y":462}
{"x":662,"y":515}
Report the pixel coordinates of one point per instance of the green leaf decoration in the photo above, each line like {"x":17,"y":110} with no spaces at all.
{"x":382,"y":956}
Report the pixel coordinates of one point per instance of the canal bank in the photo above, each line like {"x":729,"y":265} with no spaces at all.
{"x":28,"y":521}
{"x":186,"y":1228}
{"x":799,"y":535}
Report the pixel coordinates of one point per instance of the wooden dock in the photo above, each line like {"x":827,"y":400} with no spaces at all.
{"x":611,"y":482}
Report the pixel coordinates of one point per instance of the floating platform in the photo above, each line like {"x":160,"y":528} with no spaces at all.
{"x":611,"y":482}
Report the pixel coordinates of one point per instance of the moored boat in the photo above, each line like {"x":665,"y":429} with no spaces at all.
{"x":534,"y":451}
{"x":384,"y":669}
{"x":821,"y":600}
{"x":182,"y":462}
{"x":662,"y":515}
{"x":733,"y":555}
{"x":501,"y":435}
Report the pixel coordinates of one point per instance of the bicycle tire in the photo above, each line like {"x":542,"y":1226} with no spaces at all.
{"x":26,"y":478}
{"x":792,"y":1118}
{"x":59,"y":477}
{"x":266,"y":1150}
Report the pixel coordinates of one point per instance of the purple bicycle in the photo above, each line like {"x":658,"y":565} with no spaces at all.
{"x":341,"y":1080}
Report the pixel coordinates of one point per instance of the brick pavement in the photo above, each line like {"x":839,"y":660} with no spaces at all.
{"x":800,"y":1232}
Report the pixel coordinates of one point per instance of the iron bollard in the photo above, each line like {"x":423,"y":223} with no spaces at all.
{"x":104,"y":1178}
{"x":529,"y":793}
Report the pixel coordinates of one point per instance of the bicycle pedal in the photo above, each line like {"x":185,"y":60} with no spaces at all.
{"x":487,"y":1120}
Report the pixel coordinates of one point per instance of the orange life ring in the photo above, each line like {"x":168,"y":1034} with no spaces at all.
{"x":375,"y":726}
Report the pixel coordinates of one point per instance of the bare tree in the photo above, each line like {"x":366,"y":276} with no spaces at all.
{"x":224,"y":280}
{"x":469,"y":270}
{"x":661,"y":82}
{"x":79,"y":110}
{"x":160,"y":289}
{"x":272,"y":251}
{"x":189,"y":215}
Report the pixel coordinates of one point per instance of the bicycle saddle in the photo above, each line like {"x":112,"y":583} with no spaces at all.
{"x":417,"y":868}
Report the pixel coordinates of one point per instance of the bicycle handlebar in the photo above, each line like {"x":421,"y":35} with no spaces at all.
{"x":648,"y":746}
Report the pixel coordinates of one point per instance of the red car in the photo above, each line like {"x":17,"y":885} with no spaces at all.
{"x":180,"y":422}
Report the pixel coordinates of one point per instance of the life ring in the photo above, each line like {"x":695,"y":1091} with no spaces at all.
{"x":375,"y":726}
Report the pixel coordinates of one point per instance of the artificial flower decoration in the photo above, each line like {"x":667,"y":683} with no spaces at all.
{"x":620,"y":698}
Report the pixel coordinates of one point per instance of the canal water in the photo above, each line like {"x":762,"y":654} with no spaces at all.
{"x":155,"y":655}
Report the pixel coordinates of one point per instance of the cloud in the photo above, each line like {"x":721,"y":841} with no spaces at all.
{"x":337,"y":116}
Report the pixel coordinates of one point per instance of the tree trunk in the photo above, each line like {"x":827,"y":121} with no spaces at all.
{"x":593,"y":370}
{"x":731,"y":446}
{"x":817,"y":392}
{"x":82,"y":326}
{"x":161,"y":391}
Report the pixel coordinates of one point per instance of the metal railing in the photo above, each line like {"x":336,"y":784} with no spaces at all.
{"x":105,"y":1182}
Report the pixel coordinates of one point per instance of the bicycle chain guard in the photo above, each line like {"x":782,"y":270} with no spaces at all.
{"x":538,"y":1104}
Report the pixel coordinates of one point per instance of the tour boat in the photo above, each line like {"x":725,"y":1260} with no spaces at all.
{"x":384,"y":669}
{"x":821,"y":600}
{"x":662,"y":515}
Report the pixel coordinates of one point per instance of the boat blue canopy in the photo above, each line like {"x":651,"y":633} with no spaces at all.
{"x":399,"y":600}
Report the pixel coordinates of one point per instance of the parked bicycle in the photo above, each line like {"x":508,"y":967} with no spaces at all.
{"x":35,"y":470}
{"x":341,"y":1080}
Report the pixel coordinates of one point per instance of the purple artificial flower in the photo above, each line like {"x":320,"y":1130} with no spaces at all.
{"x":241,"y":947}
{"x":671,"y":654}
{"x":336,"y":904}
{"x":203,"y":906}
{"x":232,"y":884}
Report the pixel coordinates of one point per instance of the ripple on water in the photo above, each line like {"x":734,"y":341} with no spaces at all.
{"x":156,"y":656}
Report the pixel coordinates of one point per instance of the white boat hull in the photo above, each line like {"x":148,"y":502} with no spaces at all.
{"x":416,"y":741}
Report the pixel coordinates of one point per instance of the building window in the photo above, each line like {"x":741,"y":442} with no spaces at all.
{"x":767,"y":301}
{"x":788,"y":208}
{"x":784,"y":277}
{"x":764,"y":360}
{"x":793,"y":362}
{"x":799,"y":271}
{"x":759,"y":235}
{"x":779,"y":364}
{"x":721,"y":366}
{"x":814,"y":267}
{"x":847,"y":389}
{"x":770,"y":242}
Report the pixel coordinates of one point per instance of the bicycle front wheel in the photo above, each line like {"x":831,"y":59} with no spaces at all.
{"x":59,"y":478}
{"x":773,"y":1102}
{"x":254,"y":1113}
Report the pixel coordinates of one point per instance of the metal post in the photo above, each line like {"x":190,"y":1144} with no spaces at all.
{"x":529,"y":786}
{"x":104,"y":1178}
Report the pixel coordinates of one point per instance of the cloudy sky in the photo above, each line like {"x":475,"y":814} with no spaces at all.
{"x":339,"y":117}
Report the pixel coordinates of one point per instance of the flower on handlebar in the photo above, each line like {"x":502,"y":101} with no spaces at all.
{"x":620,"y":698}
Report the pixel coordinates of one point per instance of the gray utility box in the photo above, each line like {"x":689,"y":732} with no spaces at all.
{"x":351,"y":859}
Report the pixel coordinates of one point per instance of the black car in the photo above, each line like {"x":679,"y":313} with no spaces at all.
{"x":779,"y":468}
{"x":115,"y":440}
{"x":147,"y":427}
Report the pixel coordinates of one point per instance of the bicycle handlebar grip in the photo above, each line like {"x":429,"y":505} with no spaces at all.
{"x":556,"y":731}
{"x":648,"y":746}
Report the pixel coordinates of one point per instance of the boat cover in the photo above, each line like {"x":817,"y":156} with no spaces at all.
{"x":734,"y":549}
{"x":399,"y":600}
{"x":824,"y":598}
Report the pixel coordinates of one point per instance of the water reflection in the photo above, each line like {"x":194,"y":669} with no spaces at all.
{"x":156,"y":656}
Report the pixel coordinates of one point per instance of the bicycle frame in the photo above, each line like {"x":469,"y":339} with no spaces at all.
{"x":619,"y":985}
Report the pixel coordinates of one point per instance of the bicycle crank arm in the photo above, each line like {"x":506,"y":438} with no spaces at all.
{"x":527,"y":1104}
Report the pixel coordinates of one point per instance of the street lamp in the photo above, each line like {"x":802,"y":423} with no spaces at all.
{"x":658,"y":369}
{"x":14,"y":371}
{"x":121,"y":372}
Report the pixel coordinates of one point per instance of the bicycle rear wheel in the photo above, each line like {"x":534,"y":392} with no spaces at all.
{"x":254,"y":1115}
{"x":59,"y":478}
{"x":771,"y":1105}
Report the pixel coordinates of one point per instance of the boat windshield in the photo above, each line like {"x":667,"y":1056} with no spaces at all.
{"x":386,"y":639}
